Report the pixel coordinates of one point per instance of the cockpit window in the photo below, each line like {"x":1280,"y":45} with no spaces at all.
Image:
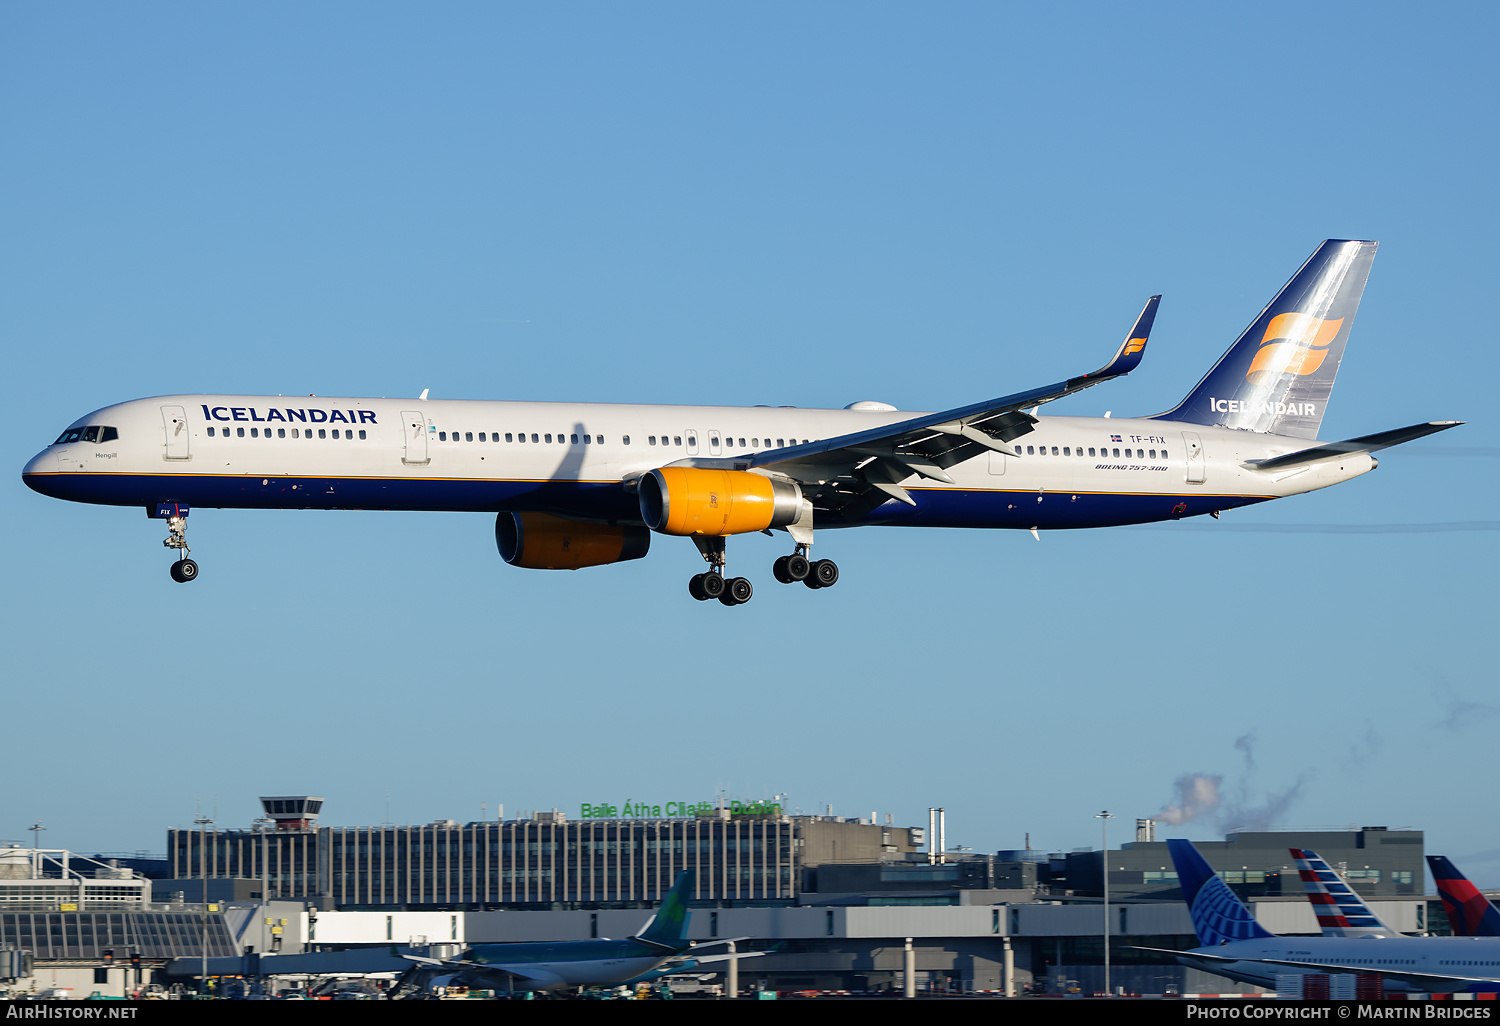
{"x":92,"y":433}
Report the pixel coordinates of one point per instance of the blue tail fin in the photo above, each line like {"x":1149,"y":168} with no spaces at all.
{"x":1469,"y":912}
{"x":1218,"y":916}
{"x":668,"y":928}
{"x":1278,"y":375}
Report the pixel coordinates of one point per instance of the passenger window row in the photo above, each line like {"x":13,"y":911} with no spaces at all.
{"x":510,"y":436}
{"x":576,"y":439}
{"x":755,"y":443}
{"x":281,"y":433}
{"x":1130,"y":454}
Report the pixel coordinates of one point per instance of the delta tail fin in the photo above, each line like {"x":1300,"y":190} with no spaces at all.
{"x":1277,"y":376}
{"x":668,"y":928}
{"x":1218,"y":916}
{"x":1340,"y":911}
{"x":1469,"y":912}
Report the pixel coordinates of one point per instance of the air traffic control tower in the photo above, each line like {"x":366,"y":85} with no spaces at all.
{"x":293,"y":812}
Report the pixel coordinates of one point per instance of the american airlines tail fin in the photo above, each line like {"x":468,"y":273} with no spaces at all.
{"x":1469,"y":912}
{"x":1218,"y":916}
{"x":668,"y":928}
{"x":1340,"y":912}
{"x":1277,"y":376}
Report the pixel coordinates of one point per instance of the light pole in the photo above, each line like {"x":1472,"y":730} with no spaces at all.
{"x":203,"y":824}
{"x":1104,"y":818}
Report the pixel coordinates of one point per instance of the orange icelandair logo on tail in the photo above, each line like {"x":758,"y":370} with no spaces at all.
{"x":1294,"y":343}
{"x":1135,"y":345}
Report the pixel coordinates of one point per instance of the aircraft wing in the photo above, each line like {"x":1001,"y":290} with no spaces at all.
{"x":857,"y":472}
{"x":1420,"y":980}
{"x":525,"y":971}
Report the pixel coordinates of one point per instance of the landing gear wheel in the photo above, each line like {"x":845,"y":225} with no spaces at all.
{"x":823,"y":574}
{"x":737,"y":592}
{"x":184,"y":570}
{"x":695,"y":587}
{"x":791,"y":569}
{"x":712,"y":585}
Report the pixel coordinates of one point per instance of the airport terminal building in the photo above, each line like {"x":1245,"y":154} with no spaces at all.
{"x":739,"y":853}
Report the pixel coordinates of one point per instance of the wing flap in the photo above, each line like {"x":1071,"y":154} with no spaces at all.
{"x":861,"y":470}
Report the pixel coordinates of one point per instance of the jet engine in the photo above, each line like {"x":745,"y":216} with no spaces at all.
{"x":695,"y":500}
{"x":541,"y":541}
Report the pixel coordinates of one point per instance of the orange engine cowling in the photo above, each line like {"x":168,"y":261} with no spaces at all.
{"x":695,"y":500}
{"x":541,"y":541}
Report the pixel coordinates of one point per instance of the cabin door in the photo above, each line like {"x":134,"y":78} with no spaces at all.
{"x":1197,"y":466}
{"x":174,"y":421}
{"x":414,"y":430}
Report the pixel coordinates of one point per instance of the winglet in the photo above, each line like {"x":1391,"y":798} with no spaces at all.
{"x":1129,"y":355}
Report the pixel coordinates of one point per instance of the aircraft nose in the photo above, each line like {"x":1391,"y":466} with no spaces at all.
{"x":38,"y":469}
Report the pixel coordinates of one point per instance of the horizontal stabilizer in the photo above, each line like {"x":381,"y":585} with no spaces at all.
{"x":1365,"y":444}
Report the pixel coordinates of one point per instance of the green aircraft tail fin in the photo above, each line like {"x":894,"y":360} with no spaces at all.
{"x":669,"y":926}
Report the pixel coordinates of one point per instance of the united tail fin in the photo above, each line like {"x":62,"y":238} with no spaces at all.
{"x":1340,"y":912}
{"x":668,"y":928}
{"x":1218,"y":916}
{"x":1469,"y":912}
{"x":1277,"y":376}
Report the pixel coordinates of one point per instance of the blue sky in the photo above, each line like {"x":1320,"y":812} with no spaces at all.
{"x":799,"y":204}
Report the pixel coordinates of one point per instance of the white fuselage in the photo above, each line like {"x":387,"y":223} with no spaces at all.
{"x":1469,"y":959}
{"x":572,"y":459}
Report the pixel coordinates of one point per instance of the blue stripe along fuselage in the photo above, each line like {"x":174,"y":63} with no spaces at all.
{"x":608,"y":500}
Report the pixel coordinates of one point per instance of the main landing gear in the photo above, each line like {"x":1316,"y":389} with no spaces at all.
{"x":821,"y":573}
{"x":711,"y":585}
{"x":184,"y":569}
{"x":734,"y":591}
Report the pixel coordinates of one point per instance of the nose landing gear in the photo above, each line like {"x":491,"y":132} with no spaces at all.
{"x":184,"y":569}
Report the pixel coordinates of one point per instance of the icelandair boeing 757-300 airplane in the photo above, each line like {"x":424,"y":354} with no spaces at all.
{"x":578,"y":485}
